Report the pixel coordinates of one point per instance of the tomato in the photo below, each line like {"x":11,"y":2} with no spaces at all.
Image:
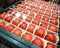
{"x":47,"y":13}
{"x":30,"y":9}
{"x":44,"y":25}
{"x":38,"y":16}
{"x":38,"y":42}
{"x":31,"y":28}
{"x":41,"y":12}
{"x":36,"y":21}
{"x":9,"y":11}
{"x":29,"y":19}
{"x":9,"y":28}
{"x":25,"y":12}
{"x":35,"y":10}
{"x":16,"y":22}
{"x":40,"y":32}
{"x":17,"y":32}
{"x":9,"y":18}
{"x":52,"y":28}
{"x":27,"y":37}
{"x":50,"y":46}
{"x":50,"y":37}
{"x":2,"y":24}
{"x":45,"y":19}
{"x":2,"y":16}
{"x":31,"y":14}
{"x":23,"y":25}
{"x":54,"y":22}
{"x":55,"y":16}
{"x":23,"y":6}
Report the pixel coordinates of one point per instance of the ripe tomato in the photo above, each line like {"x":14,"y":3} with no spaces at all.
{"x":25,"y":12}
{"x":8,"y":19}
{"x":23,"y":26}
{"x":16,"y":22}
{"x":30,"y":9}
{"x":52,"y":28}
{"x":27,"y":37}
{"x":31,"y":28}
{"x":2,"y":16}
{"x":36,"y":21}
{"x":55,"y":16}
{"x":38,"y":42}
{"x":31,"y":14}
{"x":17,"y":32}
{"x":41,"y":12}
{"x":50,"y":37}
{"x":9,"y":28}
{"x":44,"y":25}
{"x":54,"y":22}
{"x":29,"y":19}
{"x":50,"y":46}
{"x":35,"y":10}
{"x":23,"y":6}
{"x":9,"y":11}
{"x":40,"y":32}
{"x":38,"y":16}
{"x":2,"y":24}
{"x":45,"y":19}
{"x":47,"y":13}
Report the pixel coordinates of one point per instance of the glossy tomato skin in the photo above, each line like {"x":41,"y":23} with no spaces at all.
{"x":38,"y":16}
{"x":40,"y":32}
{"x":50,"y":37}
{"x":38,"y":42}
{"x":54,"y":22}
{"x":44,"y":25}
{"x":25,"y":12}
{"x":2,"y":16}
{"x":31,"y":14}
{"x":45,"y":19}
{"x":29,"y":19}
{"x":9,"y":11}
{"x":17,"y":32}
{"x":55,"y":16}
{"x":52,"y":28}
{"x":27,"y":37}
{"x":16,"y":22}
{"x":9,"y":28}
{"x":36,"y":21}
{"x":8,"y":19}
{"x":31,"y":28}
{"x":2,"y":24}
{"x":50,"y":46}
{"x":23,"y":26}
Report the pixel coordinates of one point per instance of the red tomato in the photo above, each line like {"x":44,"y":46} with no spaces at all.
{"x":16,"y":22}
{"x":31,"y":14}
{"x":23,"y":25}
{"x":23,"y":6}
{"x":40,"y":32}
{"x":52,"y":28}
{"x":47,"y":13}
{"x":35,"y":10}
{"x":38,"y":16}
{"x":50,"y":37}
{"x":25,"y":12}
{"x":36,"y":21}
{"x":2,"y":24}
{"x":27,"y":37}
{"x":9,"y":11}
{"x":50,"y":46}
{"x":55,"y":16}
{"x":38,"y":42}
{"x":9,"y":18}
{"x":41,"y":12}
{"x":54,"y":22}
{"x":9,"y":28}
{"x":2,"y":16}
{"x":30,"y":9}
{"x":17,"y":32}
{"x":44,"y":25}
{"x":45,"y":19}
{"x":31,"y":28}
{"x":29,"y":19}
